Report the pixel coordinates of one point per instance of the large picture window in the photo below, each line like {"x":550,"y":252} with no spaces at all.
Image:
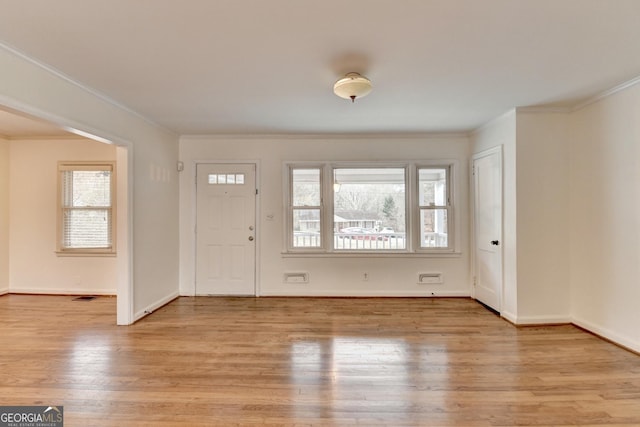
{"x":381,"y":208}
{"x":86,"y":208}
{"x":369,"y":209}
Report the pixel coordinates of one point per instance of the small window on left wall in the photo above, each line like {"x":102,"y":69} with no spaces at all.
{"x":86,"y":208}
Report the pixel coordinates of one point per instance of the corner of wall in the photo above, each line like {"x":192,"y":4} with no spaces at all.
{"x":4,"y":215}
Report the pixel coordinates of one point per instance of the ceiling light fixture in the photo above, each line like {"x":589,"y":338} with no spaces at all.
{"x":352,"y":86}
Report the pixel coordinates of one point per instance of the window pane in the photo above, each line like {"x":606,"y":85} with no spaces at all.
{"x":369,"y":209}
{"x":222,"y":178}
{"x":87,"y":228}
{"x":432,"y":184}
{"x":306,"y":228}
{"x":87,"y":188}
{"x":86,"y":211}
{"x":213,"y":178}
{"x":306,"y":187}
{"x":239,"y":178}
{"x":433,"y":228}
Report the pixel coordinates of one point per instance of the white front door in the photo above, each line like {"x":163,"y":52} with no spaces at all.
{"x":225,"y":229}
{"x":487,"y":179}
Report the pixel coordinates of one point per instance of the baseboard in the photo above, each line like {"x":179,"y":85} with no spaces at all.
{"x":510,"y":317}
{"x":542,"y":320}
{"x":154,"y":306}
{"x":608,"y":335}
{"x":4,"y":291}
{"x":380,"y":294}
{"x":44,"y":291}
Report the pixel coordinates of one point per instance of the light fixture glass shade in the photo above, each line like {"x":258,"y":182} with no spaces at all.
{"x":352,"y":86}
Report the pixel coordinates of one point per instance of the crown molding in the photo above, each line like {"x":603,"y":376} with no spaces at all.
{"x":606,"y":93}
{"x":541,"y":109}
{"x":54,"y":71}
{"x":333,"y":136}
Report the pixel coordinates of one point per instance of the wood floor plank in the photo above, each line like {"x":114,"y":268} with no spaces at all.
{"x":309,"y":362}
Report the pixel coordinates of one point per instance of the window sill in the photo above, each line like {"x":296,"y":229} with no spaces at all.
{"x":85,"y":254}
{"x":447,"y":254}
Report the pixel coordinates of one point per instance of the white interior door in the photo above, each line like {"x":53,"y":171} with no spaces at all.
{"x":225,"y":229}
{"x":487,"y":180}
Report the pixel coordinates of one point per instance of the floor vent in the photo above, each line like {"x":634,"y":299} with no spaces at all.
{"x":296,"y":277}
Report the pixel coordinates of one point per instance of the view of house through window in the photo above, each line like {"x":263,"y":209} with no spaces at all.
{"x":86,"y":207}
{"x":369,"y":208}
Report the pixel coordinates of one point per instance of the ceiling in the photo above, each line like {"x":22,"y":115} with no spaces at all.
{"x":16,"y":126}
{"x":268,"y":66}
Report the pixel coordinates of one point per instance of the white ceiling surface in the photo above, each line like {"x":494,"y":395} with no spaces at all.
{"x":268,"y":66}
{"x":15,"y":126}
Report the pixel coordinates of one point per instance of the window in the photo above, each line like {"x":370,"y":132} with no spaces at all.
{"x":370,"y":208}
{"x":306,"y":208}
{"x":226,"y":178}
{"x":86,"y":208}
{"x":433,"y":203}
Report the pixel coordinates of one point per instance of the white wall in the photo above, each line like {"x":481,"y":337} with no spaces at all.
{"x":502,"y":132}
{"x":542,"y":158}
{"x":152,"y":152}
{"x":338,"y":275}
{"x":605,"y":217}
{"x":4,"y":216}
{"x":34,"y":266}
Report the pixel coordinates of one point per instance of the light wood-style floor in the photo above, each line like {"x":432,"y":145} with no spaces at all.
{"x":306,"y":361}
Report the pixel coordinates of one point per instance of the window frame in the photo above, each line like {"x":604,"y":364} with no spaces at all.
{"x":64,"y":166}
{"x":289,"y":232}
{"x":412,"y":208}
{"x":448,"y":207}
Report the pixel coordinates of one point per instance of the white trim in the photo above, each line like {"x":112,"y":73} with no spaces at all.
{"x":372,"y":254}
{"x":476,"y":131}
{"x":606,"y":93}
{"x":607,"y":334}
{"x":154,"y":306}
{"x":63,"y":291}
{"x":368,"y":294}
{"x":542,"y":109}
{"x":4,"y":291}
{"x":48,"y":68}
{"x":124,"y":268}
{"x":542,"y":320}
{"x":328,"y":135}
{"x":509,"y":316}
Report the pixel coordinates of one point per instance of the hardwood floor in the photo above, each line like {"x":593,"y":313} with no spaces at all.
{"x":306,"y":361}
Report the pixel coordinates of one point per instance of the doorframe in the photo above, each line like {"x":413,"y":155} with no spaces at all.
{"x":194,"y":218}
{"x":472,"y":187}
{"x":124,"y":214}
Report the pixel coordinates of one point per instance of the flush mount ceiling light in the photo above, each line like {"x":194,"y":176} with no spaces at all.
{"x":352,"y":86}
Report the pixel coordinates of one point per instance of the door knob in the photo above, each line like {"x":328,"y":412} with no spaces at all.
{"x":251,"y":238}
{"x":495,"y":242}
